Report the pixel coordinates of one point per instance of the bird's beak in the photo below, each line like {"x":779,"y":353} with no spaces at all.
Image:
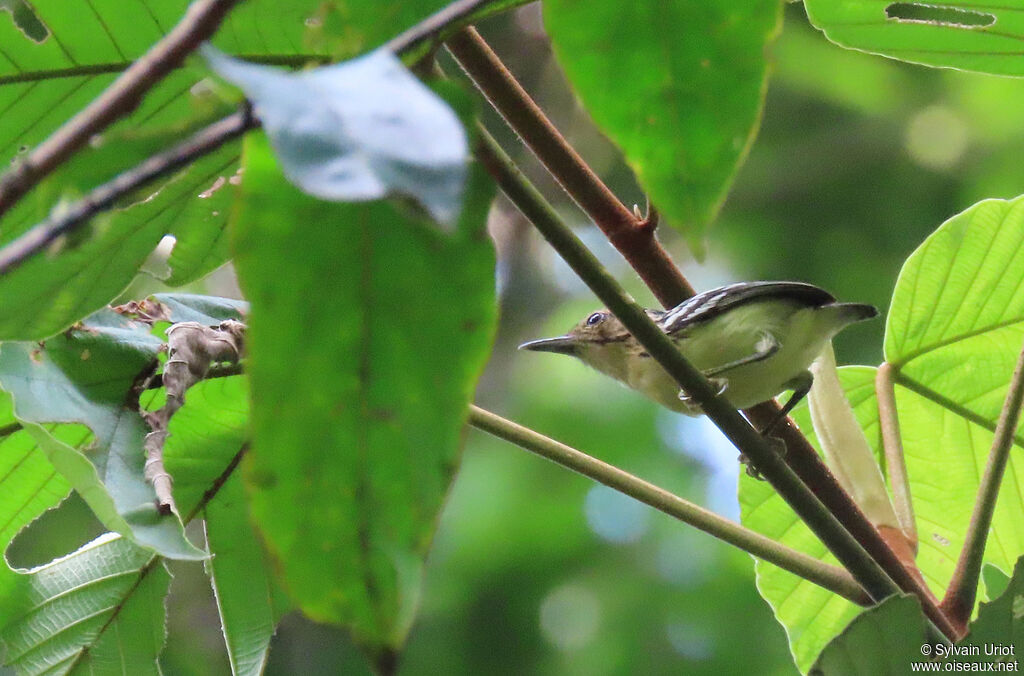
{"x":559,"y":345}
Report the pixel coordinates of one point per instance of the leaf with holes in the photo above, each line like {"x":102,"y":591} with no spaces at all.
{"x":84,"y":376}
{"x":357,"y":429}
{"x":966,"y":34}
{"x":681,"y":95}
{"x":358,"y":131}
{"x":98,"y":610}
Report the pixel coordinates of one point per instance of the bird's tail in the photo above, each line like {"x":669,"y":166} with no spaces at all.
{"x":854,"y":312}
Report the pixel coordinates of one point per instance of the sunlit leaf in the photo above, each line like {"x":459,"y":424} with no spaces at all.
{"x":357,"y":421}
{"x":811,"y":615}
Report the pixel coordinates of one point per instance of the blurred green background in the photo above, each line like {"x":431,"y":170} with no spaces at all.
{"x":538,"y":571}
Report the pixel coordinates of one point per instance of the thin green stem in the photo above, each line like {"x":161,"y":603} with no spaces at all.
{"x":762,"y":453}
{"x":830,"y":577}
{"x":963,"y":587}
{"x":892,"y":446}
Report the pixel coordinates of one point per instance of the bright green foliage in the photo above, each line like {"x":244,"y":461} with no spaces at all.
{"x":29,"y":485}
{"x":1001,"y":622}
{"x":677,"y":86}
{"x":99,"y":610}
{"x":811,"y":615}
{"x":84,"y":376}
{"x":954,"y":331}
{"x":881,"y":642}
{"x":967,"y":34}
{"x":367,"y":332}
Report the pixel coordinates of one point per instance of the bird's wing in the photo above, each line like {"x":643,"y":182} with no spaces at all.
{"x":710,"y":304}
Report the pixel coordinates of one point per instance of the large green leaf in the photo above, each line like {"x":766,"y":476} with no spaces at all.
{"x":43,"y":84}
{"x":84,"y":376}
{"x":883,"y":641}
{"x":965,"y":34}
{"x":97,"y":611}
{"x":677,"y":86}
{"x":363,"y":358}
{"x":954,"y":331}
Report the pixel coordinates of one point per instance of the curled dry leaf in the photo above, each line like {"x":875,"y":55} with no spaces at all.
{"x":191,"y":349}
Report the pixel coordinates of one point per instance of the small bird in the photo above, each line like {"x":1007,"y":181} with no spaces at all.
{"x":752,"y":340}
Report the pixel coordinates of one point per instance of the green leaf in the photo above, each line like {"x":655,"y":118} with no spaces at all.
{"x":883,"y":641}
{"x":84,"y":376}
{"x":954,"y":331}
{"x":1000,"y":624}
{"x":358,"y":131}
{"x":97,"y":611}
{"x":966,"y":34}
{"x":811,"y":615}
{"x":678,"y":87}
{"x":249,"y":600}
{"x":207,"y":439}
{"x":363,"y":359}
{"x":43,"y":84}
{"x":29,"y":485}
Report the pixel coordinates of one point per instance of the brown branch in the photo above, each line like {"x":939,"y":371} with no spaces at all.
{"x":105,"y":196}
{"x":639,"y":247}
{"x":963,"y":587}
{"x":631,"y":236}
{"x":201,"y":20}
{"x":202,"y":143}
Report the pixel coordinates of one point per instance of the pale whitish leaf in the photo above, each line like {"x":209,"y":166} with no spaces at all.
{"x":358,"y":130}
{"x":97,"y":611}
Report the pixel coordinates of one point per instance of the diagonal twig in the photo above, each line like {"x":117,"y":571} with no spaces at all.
{"x":963,"y":587}
{"x":201,"y":20}
{"x":830,"y":577}
{"x":202,"y":143}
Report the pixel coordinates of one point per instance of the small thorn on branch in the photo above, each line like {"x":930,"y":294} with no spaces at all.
{"x":649,"y":221}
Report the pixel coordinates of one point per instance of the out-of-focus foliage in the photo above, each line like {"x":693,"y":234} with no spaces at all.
{"x":678,"y":87}
{"x":362,"y":369}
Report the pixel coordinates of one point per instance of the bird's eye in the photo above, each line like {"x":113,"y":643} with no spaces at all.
{"x":595,"y":319}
